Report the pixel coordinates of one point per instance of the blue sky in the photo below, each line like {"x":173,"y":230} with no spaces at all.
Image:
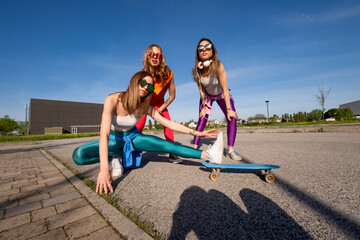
{"x":82,"y":50}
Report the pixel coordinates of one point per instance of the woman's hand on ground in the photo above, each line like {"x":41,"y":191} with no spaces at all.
{"x":103,"y":182}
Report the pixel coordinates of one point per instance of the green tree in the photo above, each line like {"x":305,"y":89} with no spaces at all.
{"x":314,"y":115}
{"x":345,"y":114}
{"x":300,"y":116}
{"x":331,"y":113}
{"x":296,"y":117}
{"x":150,"y":124}
{"x":23,"y":126}
{"x":286,"y":117}
{"x":7,"y":125}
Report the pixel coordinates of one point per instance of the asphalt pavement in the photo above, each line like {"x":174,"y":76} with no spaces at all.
{"x":315,"y":195}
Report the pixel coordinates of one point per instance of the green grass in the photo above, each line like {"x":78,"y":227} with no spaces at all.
{"x":33,"y":138}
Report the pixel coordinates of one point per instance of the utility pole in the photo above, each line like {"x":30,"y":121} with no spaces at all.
{"x":26,"y":123}
{"x":267,"y":106}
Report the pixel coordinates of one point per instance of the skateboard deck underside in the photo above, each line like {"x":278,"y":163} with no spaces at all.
{"x":240,"y":166}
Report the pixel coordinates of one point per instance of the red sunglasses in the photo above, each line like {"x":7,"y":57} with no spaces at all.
{"x":155,"y":55}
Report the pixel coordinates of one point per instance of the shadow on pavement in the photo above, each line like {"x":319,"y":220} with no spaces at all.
{"x":335,"y":217}
{"x":212,"y":215}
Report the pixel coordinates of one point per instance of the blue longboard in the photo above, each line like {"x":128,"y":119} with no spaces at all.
{"x":265,"y":169}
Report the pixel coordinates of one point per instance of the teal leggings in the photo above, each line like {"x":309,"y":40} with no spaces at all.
{"x":89,"y":152}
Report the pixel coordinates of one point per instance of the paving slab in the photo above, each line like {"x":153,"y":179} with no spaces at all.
{"x":40,"y":199}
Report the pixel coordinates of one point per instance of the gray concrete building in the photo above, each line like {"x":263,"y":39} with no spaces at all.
{"x":53,"y":116}
{"x":354,"y":106}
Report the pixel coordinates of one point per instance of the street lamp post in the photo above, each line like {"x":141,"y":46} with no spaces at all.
{"x":267,"y":107}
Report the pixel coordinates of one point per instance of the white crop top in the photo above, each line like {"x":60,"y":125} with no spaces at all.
{"x":124,"y":123}
{"x":211,"y":85}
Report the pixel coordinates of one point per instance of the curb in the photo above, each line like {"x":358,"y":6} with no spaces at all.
{"x":121,"y":224}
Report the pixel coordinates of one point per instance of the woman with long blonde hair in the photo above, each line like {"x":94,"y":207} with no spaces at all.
{"x":154,"y":63}
{"x":119,"y":136}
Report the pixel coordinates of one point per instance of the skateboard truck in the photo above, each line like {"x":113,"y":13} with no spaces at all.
{"x":269,"y":178}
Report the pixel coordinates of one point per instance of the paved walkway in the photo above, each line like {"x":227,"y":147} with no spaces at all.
{"x":41,"y":199}
{"x":316,"y":193}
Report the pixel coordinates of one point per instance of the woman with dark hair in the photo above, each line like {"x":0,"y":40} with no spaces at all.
{"x":210,"y":76}
{"x":119,"y":136}
{"x":154,"y":63}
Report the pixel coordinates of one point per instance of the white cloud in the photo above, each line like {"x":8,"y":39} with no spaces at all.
{"x":329,"y":15}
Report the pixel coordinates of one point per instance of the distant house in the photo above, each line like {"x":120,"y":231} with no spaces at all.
{"x":354,"y":106}
{"x":257,"y":120}
{"x":278,"y":120}
{"x":192,"y":125}
{"x":241,"y":121}
{"x":212,"y":123}
{"x":332,"y":119}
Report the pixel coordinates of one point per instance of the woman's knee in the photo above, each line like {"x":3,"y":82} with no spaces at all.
{"x":77,"y":157}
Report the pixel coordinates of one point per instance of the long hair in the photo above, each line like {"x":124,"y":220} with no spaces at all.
{"x":214,"y":66}
{"x":164,"y":69}
{"x":131,"y":100}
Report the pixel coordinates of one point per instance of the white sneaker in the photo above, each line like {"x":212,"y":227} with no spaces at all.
{"x":234,"y":155}
{"x":216,"y":150}
{"x":116,"y":167}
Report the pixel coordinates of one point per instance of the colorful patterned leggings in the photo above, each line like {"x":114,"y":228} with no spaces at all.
{"x":89,"y":153}
{"x":231,"y":125}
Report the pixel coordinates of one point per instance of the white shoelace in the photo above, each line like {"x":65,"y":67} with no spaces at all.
{"x":116,"y":164}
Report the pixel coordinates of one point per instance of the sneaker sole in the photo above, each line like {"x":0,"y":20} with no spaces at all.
{"x":221,"y":147}
{"x":116,"y":175}
{"x":228,"y":155}
{"x":176,"y":162}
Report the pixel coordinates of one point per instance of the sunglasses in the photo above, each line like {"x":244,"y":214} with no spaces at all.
{"x":208,"y":47}
{"x":154,"y":55}
{"x":143,"y":83}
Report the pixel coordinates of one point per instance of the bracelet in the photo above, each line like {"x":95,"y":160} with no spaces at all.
{"x":228,"y":109}
{"x":193,"y":132}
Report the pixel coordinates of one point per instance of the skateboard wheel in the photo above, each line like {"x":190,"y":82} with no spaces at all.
{"x":269,"y":178}
{"x":214,"y":176}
